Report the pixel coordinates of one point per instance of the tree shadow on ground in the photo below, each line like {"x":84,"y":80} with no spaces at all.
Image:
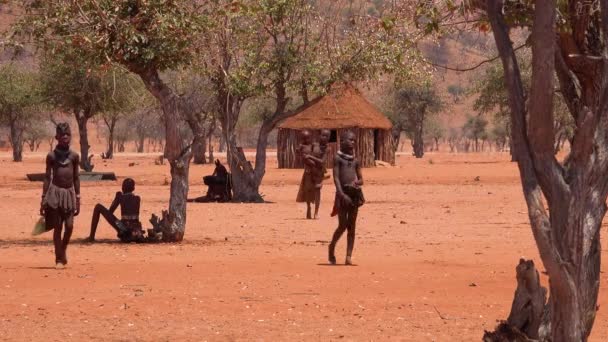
{"x":49,"y":242}
{"x":336,"y":265}
{"x":111,"y":242}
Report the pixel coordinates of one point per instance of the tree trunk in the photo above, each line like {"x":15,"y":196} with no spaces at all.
{"x":512,"y":151}
{"x":16,"y":140}
{"x":110,"y":151}
{"x":528,"y":318}
{"x":199,"y":147}
{"x":82,"y":117}
{"x":244,"y":185}
{"x":141,"y":139}
{"x":222,"y":144}
{"x":396,"y":132}
{"x":210,"y":150}
{"x":418,"y":144}
{"x":568,"y":236}
{"x":173,"y":225}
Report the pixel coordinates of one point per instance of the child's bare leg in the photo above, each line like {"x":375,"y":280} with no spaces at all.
{"x":103,"y":211}
{"x":317,"y":202}
{"x":58,"y":243}
{"x":350,"y":237}
{"x":67,"y":235}
{"x":337,"y":235}
{"x":308,"y":211}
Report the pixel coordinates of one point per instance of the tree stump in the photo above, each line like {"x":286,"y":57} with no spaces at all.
{"x":164,"y":229}
{"x":527,"y":311}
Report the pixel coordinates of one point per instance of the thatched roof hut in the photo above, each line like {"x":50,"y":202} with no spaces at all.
{"x":341,"y":109}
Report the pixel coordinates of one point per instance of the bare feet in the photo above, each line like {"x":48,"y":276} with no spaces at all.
{"x":59,"y":266}
{"x":332,"y":259}
{"x":348,"y":261}
{"x":89,"y":240}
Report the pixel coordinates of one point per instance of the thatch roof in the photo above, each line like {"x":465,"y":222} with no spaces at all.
{"x":344,"y":107}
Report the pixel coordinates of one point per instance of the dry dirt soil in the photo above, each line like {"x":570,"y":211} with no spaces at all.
{"x":435,"y":260}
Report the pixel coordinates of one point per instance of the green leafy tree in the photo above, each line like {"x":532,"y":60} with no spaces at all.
{"x":475,"y":129}
{"x":457,"y":91}
{"x":37,"y":132}
{"x":146,"y":125}
{"x":20,"y":103}
{"x":74,"y":86}
{"x":145,"y":37}
{"x":492,"y":97}
{"x":454,"y":139}
{"x":434,"y":131}
{"x":414,"y":104}
{"x":121,"y":94}
{"x":278,"y":48}
{"x":501,"y":133}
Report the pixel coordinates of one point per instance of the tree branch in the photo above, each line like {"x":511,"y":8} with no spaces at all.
{"x":541,"y":131}
{"x":471,"y":68}
{"x":539,"y":218}
{"x":568,"y":85}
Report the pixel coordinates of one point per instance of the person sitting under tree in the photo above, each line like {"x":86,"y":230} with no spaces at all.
{"x":61,"y":193}
{"x":219,"y":187}
{"x":128,"y":227}
{"x":349,"y":197}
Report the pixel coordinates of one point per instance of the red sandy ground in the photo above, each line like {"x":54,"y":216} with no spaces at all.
{"x":436,"y":252}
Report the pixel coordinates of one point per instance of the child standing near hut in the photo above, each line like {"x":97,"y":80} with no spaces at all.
{"x":318,"y":156}
{"x":61,"y":193}
{"x":306,"y":192}
{"x":349,"y":197}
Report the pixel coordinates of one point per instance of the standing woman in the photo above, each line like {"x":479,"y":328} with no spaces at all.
{"x":61,"y":193}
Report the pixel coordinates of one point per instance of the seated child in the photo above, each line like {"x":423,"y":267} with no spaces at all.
{"x":128,"y":227}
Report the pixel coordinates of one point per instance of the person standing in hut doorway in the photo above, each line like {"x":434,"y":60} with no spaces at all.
{"x":349,"y":197}
{"x":306,"y":192}
{"x":318,"y":156}
{"x":61,"y":193}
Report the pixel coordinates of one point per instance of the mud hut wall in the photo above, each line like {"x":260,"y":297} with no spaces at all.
{"x":386,"y":152}
{"x":287,"y":143}
{"x":364,"y":149}
{"x":289,"y":139}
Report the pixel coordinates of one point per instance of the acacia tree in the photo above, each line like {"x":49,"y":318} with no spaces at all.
{"x":414,"y":103}
{"x":72,"y":84}
{"x":278,"y":48}
{"x":197,"y":91}
{"x":434,"y":132}
{"x":145,"y":124}
{"x":145,"y":37}
{"x":457,"y":91}
{"x":475,"y":129}
{"x":38,"y":131}
{"x":492,"y":97}
{"x":571,"y":44}
{"x":122,"y":93}
{"x":19,"y":103}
